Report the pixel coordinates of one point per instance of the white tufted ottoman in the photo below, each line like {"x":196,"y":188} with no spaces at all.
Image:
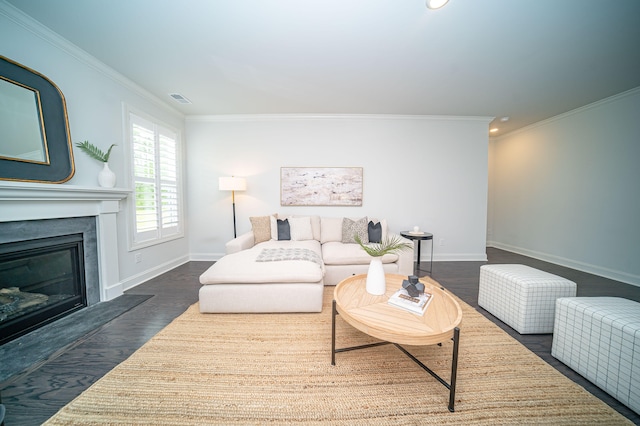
{"x":522,"y":297}
{"x":599,"y":338}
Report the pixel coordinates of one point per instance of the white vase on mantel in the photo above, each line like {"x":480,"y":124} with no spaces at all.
{"x":106,"y":178}
{"x":376,"y":283}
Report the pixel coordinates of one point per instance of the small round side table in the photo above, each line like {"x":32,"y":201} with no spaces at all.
{"x":418,"y":237}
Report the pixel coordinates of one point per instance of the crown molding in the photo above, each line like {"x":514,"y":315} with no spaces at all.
{"x":596,"y":104}
{"x":28,"y":23}
{"x":320,"y":117}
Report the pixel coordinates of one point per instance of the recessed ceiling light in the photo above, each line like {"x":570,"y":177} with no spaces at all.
{"x":495,"y":129}
{"x":436,"y":4}
{"x":504,"y":119}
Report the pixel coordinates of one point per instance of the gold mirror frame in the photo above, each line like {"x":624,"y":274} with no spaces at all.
{"x":35,"y":143}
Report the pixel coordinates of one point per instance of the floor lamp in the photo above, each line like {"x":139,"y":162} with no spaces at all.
{"x":233,"y":184}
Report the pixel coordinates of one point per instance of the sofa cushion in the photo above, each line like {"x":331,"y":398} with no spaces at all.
{"x":330,"y":229}
{"x":242,"y":267}
{"x":335,"y":253}
{"x":351,"y":228}
{"x":315,"y":227}
{"x":261,"y":227}
{"x":300,"y":228}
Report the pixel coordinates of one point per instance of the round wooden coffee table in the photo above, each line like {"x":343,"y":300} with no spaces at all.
{"x":374,"y":316}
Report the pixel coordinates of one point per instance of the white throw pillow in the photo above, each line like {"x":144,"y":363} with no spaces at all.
{"x":330,"y":229}
{"x":274,"y":228}
{"x":300,"y":228}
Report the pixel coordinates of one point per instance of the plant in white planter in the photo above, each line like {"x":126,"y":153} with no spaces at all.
{"x":106,"y":177}
{"x":376,"y":283}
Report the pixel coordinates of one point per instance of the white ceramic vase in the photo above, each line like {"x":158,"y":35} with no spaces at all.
{"x":376,"y":283}
{"x":106,"y":178}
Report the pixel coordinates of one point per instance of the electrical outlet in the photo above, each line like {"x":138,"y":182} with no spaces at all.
{"x":441,"y":242}
{"x":138,"y":257}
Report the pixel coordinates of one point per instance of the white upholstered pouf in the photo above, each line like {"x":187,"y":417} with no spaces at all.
{"x":522,"y":297}
{"x":599,"y":338}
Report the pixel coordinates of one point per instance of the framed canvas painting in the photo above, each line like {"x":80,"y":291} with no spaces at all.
{"x":321,"y":186}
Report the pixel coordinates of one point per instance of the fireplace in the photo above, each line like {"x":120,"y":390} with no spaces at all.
{"x":40,"y":280}
{"x":48,"y":269}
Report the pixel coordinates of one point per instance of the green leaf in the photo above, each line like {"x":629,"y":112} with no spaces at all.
{"x":388,"y":245}
{"x":95,"y":152}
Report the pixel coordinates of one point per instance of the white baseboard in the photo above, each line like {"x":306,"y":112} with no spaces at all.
{"x":454,"y":257}
{"x":570,"y":263}
{"x":205,"y":257}
{"x":144,"y":276}
{"x":112,"y":292}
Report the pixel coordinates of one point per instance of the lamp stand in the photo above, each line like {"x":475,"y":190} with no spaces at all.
{"x":233,"y":203}
{"x":232,"y":184}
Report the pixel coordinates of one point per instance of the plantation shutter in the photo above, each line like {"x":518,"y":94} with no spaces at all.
{"x":155,"y":175}
{"x":168,"y":182}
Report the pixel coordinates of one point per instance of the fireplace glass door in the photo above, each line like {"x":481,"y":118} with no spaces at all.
{"x":41,"y":280}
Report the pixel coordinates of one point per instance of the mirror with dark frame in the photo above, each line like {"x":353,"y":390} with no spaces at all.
{"x":35,"y":144}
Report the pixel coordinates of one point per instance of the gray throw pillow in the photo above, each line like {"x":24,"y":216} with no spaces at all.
{"x":284,"y":231}
{"x":375,"y":232}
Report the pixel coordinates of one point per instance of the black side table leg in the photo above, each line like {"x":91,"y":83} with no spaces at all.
{"x":333,"y":333}
{"x":454,"y":368}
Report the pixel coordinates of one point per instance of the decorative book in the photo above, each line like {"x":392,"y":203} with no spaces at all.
{"x":417,"y":305}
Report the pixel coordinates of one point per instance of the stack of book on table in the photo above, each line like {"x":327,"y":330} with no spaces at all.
{"x":417,"y":305}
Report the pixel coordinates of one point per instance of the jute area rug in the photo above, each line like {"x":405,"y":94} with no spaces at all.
{"x":207,"y":369}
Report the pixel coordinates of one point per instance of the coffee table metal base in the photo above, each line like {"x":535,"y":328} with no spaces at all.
{"x":454,"y":359}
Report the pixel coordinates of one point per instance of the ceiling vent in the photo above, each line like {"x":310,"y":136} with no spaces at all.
{"x":179,"y":98}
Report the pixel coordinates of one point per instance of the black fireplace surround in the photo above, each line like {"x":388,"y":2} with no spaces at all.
{"x":48,"y":269}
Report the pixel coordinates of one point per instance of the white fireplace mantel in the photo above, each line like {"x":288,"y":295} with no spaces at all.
{"x":34,"y":201}
{"x":57,"y":200}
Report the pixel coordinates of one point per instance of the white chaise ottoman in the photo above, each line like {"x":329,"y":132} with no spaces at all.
{"x":599,"y":338}
{"x":274,"y":276}
{"x":522,"y":297}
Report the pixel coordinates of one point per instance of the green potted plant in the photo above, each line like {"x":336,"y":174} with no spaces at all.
{"x":376,"y":283}
{"x":106,"y":178}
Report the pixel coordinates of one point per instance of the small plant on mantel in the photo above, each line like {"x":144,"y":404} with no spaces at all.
{"x":95,"y":152}
{"x":388,"y":245}
{"x":106,"y":178}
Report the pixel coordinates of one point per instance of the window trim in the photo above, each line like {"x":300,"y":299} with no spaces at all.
{"x":135,"y":244}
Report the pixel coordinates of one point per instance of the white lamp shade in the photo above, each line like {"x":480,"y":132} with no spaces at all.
{"x":232,"y":184}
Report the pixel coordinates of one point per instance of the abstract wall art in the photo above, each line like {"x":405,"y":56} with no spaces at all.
{"x":321,"y":186}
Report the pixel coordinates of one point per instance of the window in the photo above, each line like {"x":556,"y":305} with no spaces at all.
{"x":155,"y":153}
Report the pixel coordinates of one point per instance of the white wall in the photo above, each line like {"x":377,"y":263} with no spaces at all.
{"x":566,"y":190}
{"x":426,"y":171}
{"x":94,"y":96}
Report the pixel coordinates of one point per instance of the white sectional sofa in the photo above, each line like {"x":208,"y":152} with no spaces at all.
{"x":261,"y":272}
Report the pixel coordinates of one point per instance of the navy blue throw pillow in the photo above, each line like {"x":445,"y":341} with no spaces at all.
{"x":375,"y":232}
{"x":284,"y":232}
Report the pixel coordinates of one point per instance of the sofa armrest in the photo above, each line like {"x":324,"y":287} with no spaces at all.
{"x":405,"y":257}
{"x":242,"y":242}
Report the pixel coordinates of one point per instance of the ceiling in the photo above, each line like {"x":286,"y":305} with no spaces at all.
{"x":526,"y":59}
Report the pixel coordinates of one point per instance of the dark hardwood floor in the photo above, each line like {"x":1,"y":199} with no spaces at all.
{"x":36,"y":394}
